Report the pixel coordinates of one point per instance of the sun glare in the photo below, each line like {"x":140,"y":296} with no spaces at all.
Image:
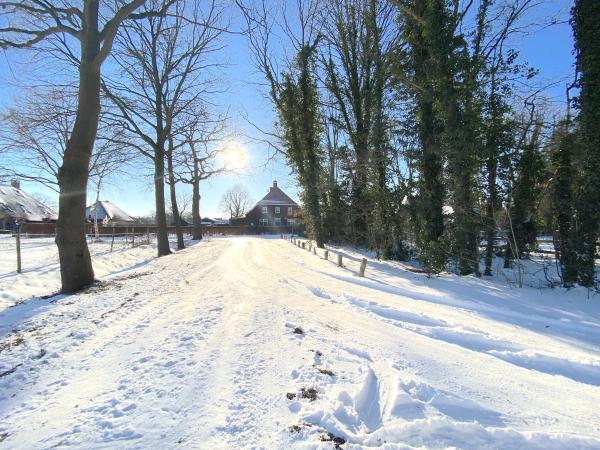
{"x":235,"y":156}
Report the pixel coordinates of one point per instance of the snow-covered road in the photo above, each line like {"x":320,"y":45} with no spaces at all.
{"x":250,"y":342}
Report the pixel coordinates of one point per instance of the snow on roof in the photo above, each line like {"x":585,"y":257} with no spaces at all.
{"x":17,"y":204}
{"x":112,"y":211}
{"x":276,"y":197}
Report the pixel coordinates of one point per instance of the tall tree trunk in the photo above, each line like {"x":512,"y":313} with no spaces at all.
{"x":431,"y":197}
{"x":493,"y":138}
{"x":196,"y":219}
{"x":173,"y":192}
{"x":76,"y":269}
{"x":311,"y":144}
{"x":563,"y":207}
{"x":162,"y":231}
{"x":586,"y":17}
{"x":490,"y":208}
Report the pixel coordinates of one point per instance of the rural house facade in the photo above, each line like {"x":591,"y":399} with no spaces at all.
{"x":275,"y":209}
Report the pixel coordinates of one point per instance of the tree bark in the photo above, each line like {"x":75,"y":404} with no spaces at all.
{"x":197,"y":227}
{"x":173,"y":192}
{"x":162,"y":232}
{"x":76,"y":271}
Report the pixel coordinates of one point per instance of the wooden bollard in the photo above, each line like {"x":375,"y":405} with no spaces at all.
{"x":340,"y":264}
{"x":304,"y":245}
{"x":314,"y":250}
{"x":363,"y":266}
{"x":112,"y":242}
{"x":326,"y":255}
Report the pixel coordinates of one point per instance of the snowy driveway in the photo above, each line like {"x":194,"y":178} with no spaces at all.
{"x":250,"y":342}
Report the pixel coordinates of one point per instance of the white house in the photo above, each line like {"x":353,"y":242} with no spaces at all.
{"x":108,"y":214}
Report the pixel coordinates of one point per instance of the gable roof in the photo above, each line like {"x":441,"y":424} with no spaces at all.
{"x":276,"y":197}
{"x":17,"y":204}
{"x":110,"y":210}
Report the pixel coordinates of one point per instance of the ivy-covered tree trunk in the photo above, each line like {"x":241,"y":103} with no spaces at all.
{"x":586,"y":23}
{"x":296,"y":99}
{"x":310,"y":131}
{"x":423,"y":29}
{"x":563,"y":207}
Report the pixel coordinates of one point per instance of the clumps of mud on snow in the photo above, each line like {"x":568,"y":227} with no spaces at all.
{"x":330,"y":437}
{"x":309,"y":393}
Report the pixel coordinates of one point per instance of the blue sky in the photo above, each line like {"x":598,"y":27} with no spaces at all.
{"x":549,"y":50}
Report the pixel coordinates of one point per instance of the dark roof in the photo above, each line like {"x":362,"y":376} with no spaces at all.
{"x":276,"y":197}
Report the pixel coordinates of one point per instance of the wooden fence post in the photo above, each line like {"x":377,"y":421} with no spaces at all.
{"x":326,"y":255}
{"x":112,"y":242}
{"x":18,"y":237}
{"x":148,"y":235}
{"x":363,"y":266}
{"x":314,"y":250}
{"x":340,"y":264}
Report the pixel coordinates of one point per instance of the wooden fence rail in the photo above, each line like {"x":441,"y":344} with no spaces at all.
{"x":312,"y":248}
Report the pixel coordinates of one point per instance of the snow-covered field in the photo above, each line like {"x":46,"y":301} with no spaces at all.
{"x":254,"y":343}
{"x":40,"y":269}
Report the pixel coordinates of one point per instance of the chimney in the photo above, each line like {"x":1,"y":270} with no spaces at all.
{"x":274,"y":184}
{"x":16,"y":184}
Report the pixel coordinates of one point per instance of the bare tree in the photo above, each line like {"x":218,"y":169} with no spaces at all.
{"x":163,"y":61}
{"x":34,"y":137}
{"x":236,"y":201}
{"x":294,"y":94}
{"x":29,"y":23}
{"x":200,"y":157}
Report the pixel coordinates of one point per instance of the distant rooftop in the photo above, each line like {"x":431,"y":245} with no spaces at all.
{"x":276,"y":196}
{"x":17,"y":204}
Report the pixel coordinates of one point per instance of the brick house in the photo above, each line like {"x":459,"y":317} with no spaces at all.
{"x":274,"y":210}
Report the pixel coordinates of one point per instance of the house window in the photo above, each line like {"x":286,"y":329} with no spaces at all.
{"x":290,"y":210}
{"x":277,"y":221}
{"x":277,"y":210}
{"x":291,"y":221}
{"x":263,"y":222}
{"x":264,"y":209}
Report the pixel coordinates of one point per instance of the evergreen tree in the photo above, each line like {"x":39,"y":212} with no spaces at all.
{"x":298,"y":111}
{"x":422,"y":25}
{"x":563,"y":144}
{"x":586,"y":23}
